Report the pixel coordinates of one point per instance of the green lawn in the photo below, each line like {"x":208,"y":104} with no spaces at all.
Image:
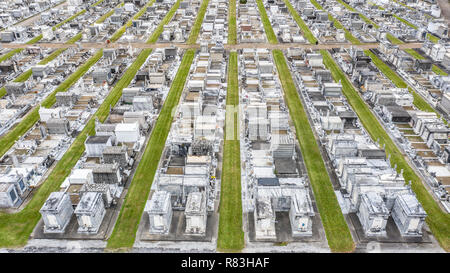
{"x":232,"y":36}
{"x":231,"y":234}
{"x":437,"y":220}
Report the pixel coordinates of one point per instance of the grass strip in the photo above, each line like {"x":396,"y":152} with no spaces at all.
{"x":438,"y":71}
{"x":97,"y":3}
{"x":11,"y":53}
{"x":232,"y":36}
{"x":16,"y":228}
{"x":397,"y":41}
{"x":231,"y":235}
{"x":266,"y":23}
{"x":305,"y":29}
{"x":36,"y":39}
{"x":164,"y":22}
{"x":8,"y":140}
{"x":124,"y":232}
{"x":27,"y":74}
{"x":409,"y":24}
{"x":430,"y":36}
{"x":69,"y":19}
{"x":411,"y":8}
{"x":419,"y":102}
{"x":336,"y":229}
{"x":437,"y":220}
{"x":338,"y":25}
{"x":198,"y":23}
{"x":108,"y":14}
{"x":128,"y":24}
{"x":125,"y":229}
{"x":362,"y":16}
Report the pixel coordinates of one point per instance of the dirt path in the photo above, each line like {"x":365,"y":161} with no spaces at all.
{"x":445,"y":9}
{"x":186,"y":46}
